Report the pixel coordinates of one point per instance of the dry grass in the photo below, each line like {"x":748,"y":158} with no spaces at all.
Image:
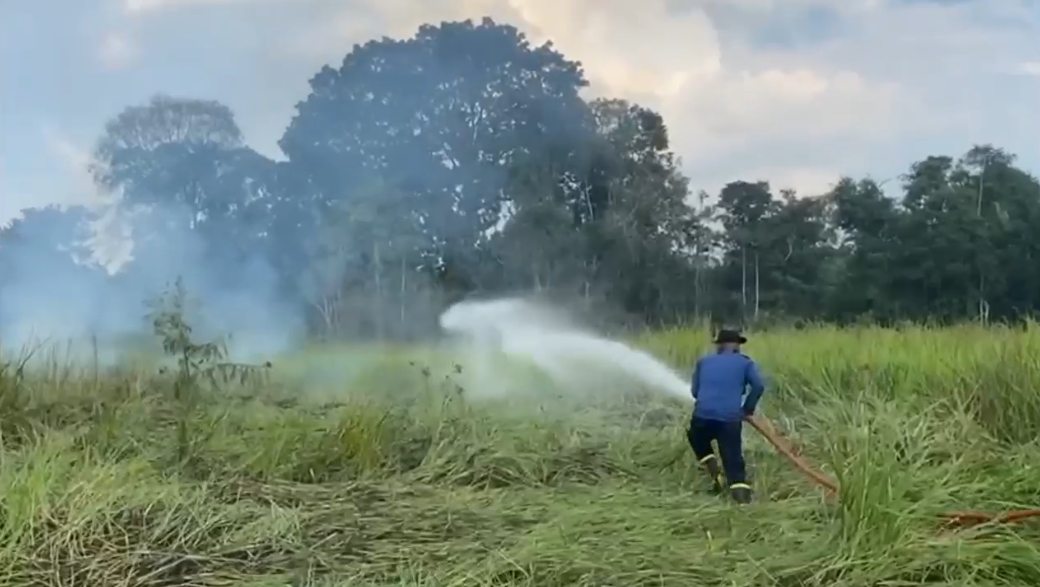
{"x":404,"y":481}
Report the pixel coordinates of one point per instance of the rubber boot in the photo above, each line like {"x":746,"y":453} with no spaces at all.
{"x":711,"y":465}
{"x":741,"y":493}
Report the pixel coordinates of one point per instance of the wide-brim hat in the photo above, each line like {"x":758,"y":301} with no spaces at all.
{"x":729,"y":337}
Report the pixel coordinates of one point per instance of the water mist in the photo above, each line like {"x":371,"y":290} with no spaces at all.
{"x":571,"y":358}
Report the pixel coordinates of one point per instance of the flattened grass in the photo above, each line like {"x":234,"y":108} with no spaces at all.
{"x":356,"y":468}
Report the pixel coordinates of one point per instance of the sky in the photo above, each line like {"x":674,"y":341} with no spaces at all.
{"x":797,"y":92}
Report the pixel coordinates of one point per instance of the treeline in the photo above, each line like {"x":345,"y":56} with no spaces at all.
{"x":464,"y":161}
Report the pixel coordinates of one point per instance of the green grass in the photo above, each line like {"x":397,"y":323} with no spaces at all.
{"x":357,"y":467}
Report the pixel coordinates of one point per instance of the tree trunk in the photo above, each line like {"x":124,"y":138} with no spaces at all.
{"x":697,"y":287}
{"x":743,"y":282}
{"x":404,"y":288}
{"x":758,"y":291}
{"x":590,"y":272}
{"x":377,"y":303}
{"x":327,"y":308}
{"x":983,"y":306}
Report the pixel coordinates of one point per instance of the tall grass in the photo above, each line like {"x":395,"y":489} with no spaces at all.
{"x":400,"y":477}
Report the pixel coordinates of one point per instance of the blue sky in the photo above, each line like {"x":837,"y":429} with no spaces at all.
{"x":794,"y":91}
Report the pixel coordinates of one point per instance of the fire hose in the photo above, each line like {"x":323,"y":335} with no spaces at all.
{"x":951,"y":519}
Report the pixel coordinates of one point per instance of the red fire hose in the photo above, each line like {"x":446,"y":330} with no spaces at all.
{"x":951,"y":519}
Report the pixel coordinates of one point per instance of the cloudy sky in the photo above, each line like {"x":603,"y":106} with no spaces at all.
{"x":793,"y":91}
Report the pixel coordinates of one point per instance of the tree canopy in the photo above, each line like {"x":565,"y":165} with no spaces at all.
{"x":464,"y":160}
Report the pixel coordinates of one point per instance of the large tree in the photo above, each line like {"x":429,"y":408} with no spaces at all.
{"x":185,"y":160}
{"x":439,"y":117}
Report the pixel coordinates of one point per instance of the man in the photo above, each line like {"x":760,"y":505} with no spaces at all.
{"x":719,"y":383}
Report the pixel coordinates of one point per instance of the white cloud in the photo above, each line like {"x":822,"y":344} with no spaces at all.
{"x":721,"y":97}
{"x":118,"y":51}
{"x":752,"y":89}
{"x":1030,"y":68}
{"x":146,"y":6}
{"x":673,"y":62}
{"x":805,"y":181}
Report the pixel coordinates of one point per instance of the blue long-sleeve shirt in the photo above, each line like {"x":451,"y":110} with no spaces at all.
{"x":718,"y":386}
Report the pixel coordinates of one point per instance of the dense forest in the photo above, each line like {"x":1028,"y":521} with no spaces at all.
{"x":465,"y":161}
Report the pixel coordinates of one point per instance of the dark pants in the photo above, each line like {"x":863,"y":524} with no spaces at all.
{"x":728,"y":436}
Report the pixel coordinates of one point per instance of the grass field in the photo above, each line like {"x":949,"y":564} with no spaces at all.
{"x":356,"y":467}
